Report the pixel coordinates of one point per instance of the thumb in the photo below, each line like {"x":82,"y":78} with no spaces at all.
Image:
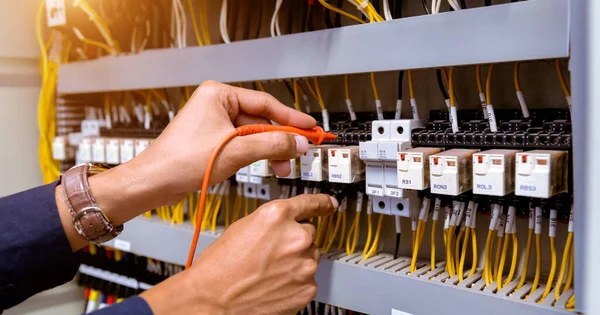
{"x":275,"y":146}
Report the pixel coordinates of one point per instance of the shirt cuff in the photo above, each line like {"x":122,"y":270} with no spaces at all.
{"x":133,"y":305}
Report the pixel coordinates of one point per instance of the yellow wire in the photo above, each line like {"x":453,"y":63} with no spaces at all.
{"x":433,"y":225}
{"x":563,"y":265}
{"x":194,"y":22}
{"x":65,"y":58}
{"x":213,"y":227}
{"x":347,"y":86}
{"x":497,"y":257}
{"x":342,"y":237}
{"x":416,"y":246}
{"x":500,"y":267}
{"x":204,"y":22}
{"x":474,"y":259}
{"x":296,"y":98}
{"x":526,"y":262}
{"x":374,"y":86}
{"x":552,"y":269}
{"x":375,"y":244}
{"x":451,"y":87}
{"x":319,"y":229}
{"x":102,"y":45}
{"x":338,"y":222}
{"x":463,"y":253}
{"x":260,"y":86}
{"x":538,"y":263}
{"x":513,"y":263}
{"x":246,"y":206}
{"x":311,"y":90}
{"x":478,"y":78}
{"x":456,"y":257}
{"x":369,"y":233}
{"x":571,"y":271}
{"x":516,"y":77}
{"x":561,"y":78}
{"x":319,"y":96}
{"x":488,"y":85}
{"x":322,"y":233}
{"x":449,"y":251}
{"x":353,"y":235}
{"x":100,"y":24}
{"x":237,"y":209}
{"x":411,"y":90}
{"x":340,"y":11}
{"x":487,"y":261}
{"x":228,"y":210}
{"x":571,"y":302}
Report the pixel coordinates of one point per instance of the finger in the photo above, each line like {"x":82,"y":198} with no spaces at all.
{"x":275,"y":146}
{"x":314,"y":253}
{"x":262,"y":104}
{"x":310,"y":229}
{"x":306,"y":206}
{"x":245,"y":119}
{"x":281,"y":168}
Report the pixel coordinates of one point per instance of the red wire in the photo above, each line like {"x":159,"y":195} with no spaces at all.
{"x":315,"y":135}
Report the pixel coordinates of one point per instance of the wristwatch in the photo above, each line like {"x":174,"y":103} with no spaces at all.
{"x":88,"y":219}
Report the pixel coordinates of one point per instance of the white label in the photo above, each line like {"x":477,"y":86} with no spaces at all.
{"x":369,"y":205}
{"x":108,"y":121}
{"x":325,"y":119}
{"x":144,"y":286}
{"x":501,"y":223}
{"x":523,"y":104}
{"x":351,"y":109}
{"x":474,"y":217}
{"x":397,"y":312}
{"x":374,"y":191}
{"x":171,"y":115}
{"x":398,"y":109}
{"x":447,"y":103}
{"x":494,"y":218}
{"x":531,"y":218}
{"x":455,"y":213}
{"x":413,"y":223}
{"x":306,"y":103}
{"x":91,"y":306}
{"x":55,"y":13}
{"x":398,"y":225}
{"x":468,"y":214}
{"x":568,"y":98}
{"x":510,"y":220}
{"x":492,"y":118}
{"x":538,"y":220}
{"x":571,"y":220}
{"x":379,"y":109}
{"x":414,"y":108}
{"x":436,"y":209}
{"x":552,"y":230}
{"x":454,"y":119}
{"x":359,"y":201}
{"x":424,"y":208}
{"x":447,"y":211}
{"x":483,"y":107}
{"x":122,"y":245}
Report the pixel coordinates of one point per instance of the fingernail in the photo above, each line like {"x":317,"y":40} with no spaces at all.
{"x":301,"y":145}
{"x":334,"y":201}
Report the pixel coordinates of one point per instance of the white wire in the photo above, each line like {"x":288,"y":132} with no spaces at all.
{"x":357,"y":5}
{"x":182,"y":25}
{"x":387,"y":13}
{"x":275,"y":30}
{"x":454,"y":5}
{"x":223,"y":23}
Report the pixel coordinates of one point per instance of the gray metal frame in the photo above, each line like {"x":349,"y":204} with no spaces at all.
{"x":534,"y":29}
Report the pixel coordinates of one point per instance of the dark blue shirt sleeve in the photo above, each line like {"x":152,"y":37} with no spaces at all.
{"x":35,"y":254}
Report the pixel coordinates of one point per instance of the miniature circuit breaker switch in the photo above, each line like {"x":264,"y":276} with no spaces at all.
{"x":413,"y":168}
{"x":541,"y":173}
{"x":451,"y":171}
{"x":313,"y":163}
{"x":494,"y":172}
{"x":345,"y":165}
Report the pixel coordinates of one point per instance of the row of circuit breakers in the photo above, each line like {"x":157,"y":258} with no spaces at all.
{"x":393,"y":171}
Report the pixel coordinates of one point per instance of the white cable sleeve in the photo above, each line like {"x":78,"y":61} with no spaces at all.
{"x":424,"y":208}
{"x":343,"y":205}
{"x":572,"y":220}
{"x":474,"y":217}
{"x":171,"y":115}
{"x":239,"y":189}
{"x":398,"y":225}
{"x":351,"y":109}
{"x":316,"y":190}
{"x":569,"y":102}
{"x":379,"y":109}
{"x":369,"y":205}
{"x":223,"y":22}
{"x":523,"y":104}
{"x":510,"y":220}
{"x":414,"y":108}
{"x":306,"y":190}
{"x":454,"y":119}
{"x":386,"y":10}
{"x":483,"y":105}
{"x":340,"y":311}
{"x":492,"y":118}
{"x":531,"y":222}
{"x":108,"y":120}
{"x":274,"y":19}
{"x":325,"y":114}
{"x":514,"y":229}
{"x":538,"y":220}
{"x":398,"y":112}
{"x":447,"y":101}
{"x":359,"y":201}
{"x":501,"y":224}
{"x":413,"y":223}
{"x":447,"y":211}
{"x":454,"y":5}
{"x":469,"y":213}
{"x":494,"y":218}
{"x":436,"y":209}
{"x":147,"y":119}
{"x":294,"y":192}
{"x":454,"y":214}
{"x":326,"y":310}
{"x":138,"y":110}
{"x":309,"y":309}
{"x":461,"y":213}
{"x":306,"y":103}
{"x":553,"y":216}
{"x":183,"y":25}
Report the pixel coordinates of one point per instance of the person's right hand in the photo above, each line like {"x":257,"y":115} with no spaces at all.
{"x":263,"y":264}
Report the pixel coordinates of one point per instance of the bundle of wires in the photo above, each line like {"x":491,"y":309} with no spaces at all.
{"x":488,"y":100}
{"x":568,"y":255}
{"x":434,"y":218}
{"x":470,"y":230}
{"x":331,"y":235}
{"x":552,"y":238}
{"x":324,"y":112}
{"x":510,"y":229}
{"x":489,"y":244}
{"x":353,"y":233}
{"x":421,"y":227}
{"x":531,"y":225}
{"x":538,"y":249}
{"x":563,"y":83}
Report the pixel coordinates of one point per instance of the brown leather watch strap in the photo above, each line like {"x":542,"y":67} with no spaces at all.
{"x":88,"y":219}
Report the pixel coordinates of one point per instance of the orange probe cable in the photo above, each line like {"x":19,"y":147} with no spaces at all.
{"x":316,"y":135}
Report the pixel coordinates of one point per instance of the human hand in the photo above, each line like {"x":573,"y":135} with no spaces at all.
{"x":263,"y":264}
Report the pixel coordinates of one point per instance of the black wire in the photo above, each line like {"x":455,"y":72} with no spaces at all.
{"x":463,"y":4}
{"x":338,"y":17}
{"x":488,"y":2}
{"x":400,"y":77}
{"x":289,"y":88}
{"x":327,"y":18}
{"x":397,"y":246}
{"x":246,"y":34}
{"x":425,"y":7}
{"x":309,"y":22}
{"x":291,"y":10}
{"x":233,"y":18}
{"x":376,"y":5}
{"x":304,"y":16}
{"x":440,"y":81}
{"x":397,"y":12}
{"x":260,"y":9}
